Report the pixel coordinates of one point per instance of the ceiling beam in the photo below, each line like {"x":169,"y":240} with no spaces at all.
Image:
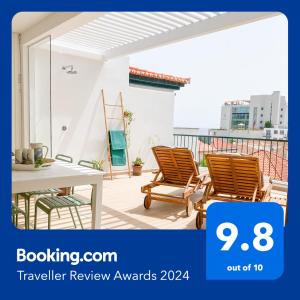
{"x":218,"y":23}
{"x":58,"y":24}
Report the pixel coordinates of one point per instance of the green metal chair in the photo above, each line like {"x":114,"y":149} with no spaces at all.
{"x":91,"y":165}
{"x":47,"y":204}
{"x":86,"y":163}
{"x":66,"y":190}
{"x":65,"y":158}
{"x":27,"y":198}
{"x":15,"y":211}
{"x":51,"y":191}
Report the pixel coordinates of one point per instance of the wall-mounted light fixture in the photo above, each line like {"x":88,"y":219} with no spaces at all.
{"x":69,"y":69}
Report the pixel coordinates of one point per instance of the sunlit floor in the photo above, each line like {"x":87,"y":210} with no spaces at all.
{"x":123,"y":209}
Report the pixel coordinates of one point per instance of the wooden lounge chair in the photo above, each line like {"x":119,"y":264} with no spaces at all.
{"x":233,"y":178}
{"x":176,"y":169}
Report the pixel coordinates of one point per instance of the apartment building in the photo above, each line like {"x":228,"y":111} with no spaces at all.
{"x":272,"y":108}
{"x":254,"y":113}
{"x":235,"y":114}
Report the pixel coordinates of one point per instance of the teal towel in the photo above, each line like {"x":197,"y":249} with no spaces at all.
{"x":117,"y":147}
{"x":118,"y":157}
{"x":117,"y":139}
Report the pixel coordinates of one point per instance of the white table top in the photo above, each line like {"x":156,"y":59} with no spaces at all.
{"x":60,"y":174}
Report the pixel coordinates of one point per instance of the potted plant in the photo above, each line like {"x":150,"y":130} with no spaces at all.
{"x":98,"y":164}
{"x":137,"y":166}
{"x":128,"y":115}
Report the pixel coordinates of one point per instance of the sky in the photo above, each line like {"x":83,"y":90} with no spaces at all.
{"x":232,"y":64}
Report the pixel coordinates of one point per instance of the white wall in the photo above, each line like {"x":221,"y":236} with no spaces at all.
{"x":77,"y":104}
{"x":283,"y":112}
{"x":186,"y":130}
{"x":255,"y":134}
{"x":153,"y":111}
{"x":276,"y":133}
{"x":16,"y":94}
{"x":225,"y":122}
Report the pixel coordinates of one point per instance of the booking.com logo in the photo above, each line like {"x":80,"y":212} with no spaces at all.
{"x":73,"y":257}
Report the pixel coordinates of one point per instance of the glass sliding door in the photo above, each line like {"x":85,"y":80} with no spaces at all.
{"x":39,"y":86}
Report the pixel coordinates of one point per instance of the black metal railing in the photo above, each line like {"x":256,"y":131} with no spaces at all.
{"x":272,"y":154}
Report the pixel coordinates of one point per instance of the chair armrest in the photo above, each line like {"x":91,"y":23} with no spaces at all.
{"x":204,"y":178}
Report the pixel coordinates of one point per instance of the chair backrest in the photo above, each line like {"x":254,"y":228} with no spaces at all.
{"x":87,"y":164}
{"x":176,"y":164}
{"x":63,"y":157}
{"x":235,"y":174}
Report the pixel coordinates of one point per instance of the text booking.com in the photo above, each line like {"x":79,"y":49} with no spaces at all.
{"x":72,"y":257}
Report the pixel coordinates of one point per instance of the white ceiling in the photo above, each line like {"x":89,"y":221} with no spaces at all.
{"x":24,"y":20}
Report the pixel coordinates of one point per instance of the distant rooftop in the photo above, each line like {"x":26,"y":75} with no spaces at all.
{"x":237,"y":102}
{"x":149,"y":78}
{"x":178,"y":127}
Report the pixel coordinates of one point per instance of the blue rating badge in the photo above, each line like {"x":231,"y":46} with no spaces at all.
{"x":244,"y":241}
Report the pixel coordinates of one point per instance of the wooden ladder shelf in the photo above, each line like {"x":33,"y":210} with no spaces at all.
{"x":122,"y":118}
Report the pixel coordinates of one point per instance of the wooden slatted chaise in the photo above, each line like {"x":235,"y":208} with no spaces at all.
{"x":177,"y":168}
{"x":233,"y":177}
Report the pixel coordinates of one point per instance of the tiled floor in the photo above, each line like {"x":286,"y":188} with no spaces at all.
{"x":123,"y":209}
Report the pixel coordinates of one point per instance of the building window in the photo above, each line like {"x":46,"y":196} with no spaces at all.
{"x":268,"y":134}
{"x":280,"y":116}
{"x":282,"y":132}
{"x":281,"y":109}
{"x":240,"y":118}
{"x":275,"y":131}
{"x":262,"y":108}
{"x":280,"y":122}
{"x":261,"y":115}
{"x":261,"y":122}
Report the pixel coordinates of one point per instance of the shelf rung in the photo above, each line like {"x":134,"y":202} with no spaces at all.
{"x":119,"y":170}
{"x":113,"y":105}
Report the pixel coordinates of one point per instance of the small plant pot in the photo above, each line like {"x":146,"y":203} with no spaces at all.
{"x":137,"y":170}
{"x":65,"y":191}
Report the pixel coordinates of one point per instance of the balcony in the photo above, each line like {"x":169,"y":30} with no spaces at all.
{"x":123,"y":201}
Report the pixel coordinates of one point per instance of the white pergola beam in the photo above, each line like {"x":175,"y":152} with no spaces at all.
{"x":210,"y":25}
{"x":58,"y":24}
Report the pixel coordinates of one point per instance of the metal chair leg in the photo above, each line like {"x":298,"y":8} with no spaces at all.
{"x":92,"y":197}
{"x":27,"y":207}
{"x":26,"y":223}
{"x":49,"y":220}
{"x":72,"y":217}
{"x":35,"y":216}
{"x":17,"y":205}
{"x":57,"y":211}
{"x":28,"y":210}
{"x":78,"y":216}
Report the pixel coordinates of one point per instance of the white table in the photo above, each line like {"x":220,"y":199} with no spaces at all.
{"x":62,"y":174}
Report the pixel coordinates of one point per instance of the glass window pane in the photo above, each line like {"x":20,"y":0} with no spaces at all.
{"x":39,"y":67}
